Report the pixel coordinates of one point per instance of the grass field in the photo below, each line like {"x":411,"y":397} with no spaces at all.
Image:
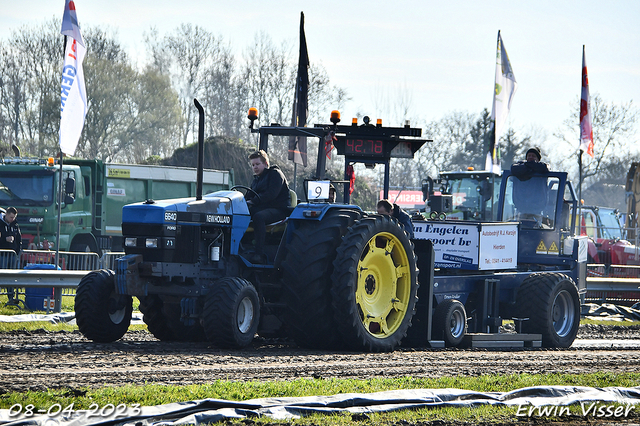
{"x":239,"y":391}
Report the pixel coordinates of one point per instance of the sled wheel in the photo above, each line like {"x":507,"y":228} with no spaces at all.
{"x":102,"y":315}
{"x":450,"y":322}
{"x":551,"y":302}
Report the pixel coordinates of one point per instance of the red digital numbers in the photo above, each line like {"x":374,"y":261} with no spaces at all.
{"x":364,"y":147}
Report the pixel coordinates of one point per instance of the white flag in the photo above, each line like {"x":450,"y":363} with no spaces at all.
{"x":504,"y":90}
{"x":73,"y":106}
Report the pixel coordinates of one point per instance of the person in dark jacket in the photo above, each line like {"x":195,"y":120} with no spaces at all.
{"x":530,"y":195}
{"x":269,"y":200}
{"x":10,"y":236}
{"x":10,"y":239}
{"x":385,"y":207}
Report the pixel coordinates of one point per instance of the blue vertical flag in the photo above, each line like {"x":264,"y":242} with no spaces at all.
{"x":73,"y":105}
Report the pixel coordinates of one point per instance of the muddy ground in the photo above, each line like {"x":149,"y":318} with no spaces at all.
{"x":41,"y":360}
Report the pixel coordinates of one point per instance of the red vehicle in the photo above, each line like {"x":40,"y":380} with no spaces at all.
{"x":607,"y":243}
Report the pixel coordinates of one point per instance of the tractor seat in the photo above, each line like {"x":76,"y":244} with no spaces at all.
{"x":280,"y":225}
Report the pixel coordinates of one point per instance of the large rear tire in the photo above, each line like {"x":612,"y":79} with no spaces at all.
{"x":306,"y":281}
{"x":231,"y":313}
{"x":163,"y":321}
{"x":450,"y":322}
{"x":550,"y":301}
{"x":101,"y":314}
{"x":374,"y":285}
{"x":151,"y":308}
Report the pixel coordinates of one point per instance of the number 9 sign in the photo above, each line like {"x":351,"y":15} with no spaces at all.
{"x":318,"y":190}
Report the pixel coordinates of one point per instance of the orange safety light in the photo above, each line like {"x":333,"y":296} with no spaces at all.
{"x":253,"y":114}
{"x":354,"y":121}
{"x":379,"y":122}
{"x":50,"y":161}
{"x":335,"y":116}
{"x":470,"y":169}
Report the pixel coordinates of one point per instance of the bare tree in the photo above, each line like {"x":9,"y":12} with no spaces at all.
{"x":614,"y":137}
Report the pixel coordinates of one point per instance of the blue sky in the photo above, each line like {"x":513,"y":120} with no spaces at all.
{"x":440,"y":53}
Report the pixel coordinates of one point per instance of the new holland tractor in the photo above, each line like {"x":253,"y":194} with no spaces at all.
{"x":340,"y":278}
{"x":335,"y":277}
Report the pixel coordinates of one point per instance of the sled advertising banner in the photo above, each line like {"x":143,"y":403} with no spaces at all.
{"x":475,"y":246}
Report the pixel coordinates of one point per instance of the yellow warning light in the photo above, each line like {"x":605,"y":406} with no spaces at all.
{"x":335,"y":116}
{"x":253,"y":114}
{"x":354,"y":121}
{"x":379,"y":122}
{"x":50,"y":161}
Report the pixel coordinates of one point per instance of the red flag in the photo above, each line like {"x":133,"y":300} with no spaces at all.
{"x":328,"y":143}
{"x":586,"y":131}
{"x":351,"y":175}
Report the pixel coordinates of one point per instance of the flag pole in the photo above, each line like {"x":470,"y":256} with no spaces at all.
{"x":295,"y":177}
{"x":57,"y":257}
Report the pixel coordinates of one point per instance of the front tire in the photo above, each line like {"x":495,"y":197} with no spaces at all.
{"x":551,"y":302}
{"x":102,"y":314}
{"x":374,"y":285}
{"x":231,"y":313}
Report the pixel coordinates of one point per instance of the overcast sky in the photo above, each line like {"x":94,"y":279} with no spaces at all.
{"x":442,"y":53}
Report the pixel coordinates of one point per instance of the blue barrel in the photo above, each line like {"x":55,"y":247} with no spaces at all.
{"x":36,"y":296}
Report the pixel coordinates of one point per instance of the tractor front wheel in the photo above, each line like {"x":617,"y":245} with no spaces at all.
{"x":231,"y":313}
{"x":102,"y":314}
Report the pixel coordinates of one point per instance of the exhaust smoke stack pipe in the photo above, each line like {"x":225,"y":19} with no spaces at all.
{"x":200,"y":149}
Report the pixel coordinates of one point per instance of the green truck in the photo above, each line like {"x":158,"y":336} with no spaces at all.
{"x":93,"y":196}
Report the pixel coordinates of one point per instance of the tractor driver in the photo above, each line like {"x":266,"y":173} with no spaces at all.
{"x":270,"y":204}
{"x":530,"y":194}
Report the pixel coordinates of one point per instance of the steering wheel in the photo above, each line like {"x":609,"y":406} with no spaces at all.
{"x":246,"y":190}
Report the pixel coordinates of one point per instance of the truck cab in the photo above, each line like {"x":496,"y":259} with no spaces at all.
{"x":463,"y":195}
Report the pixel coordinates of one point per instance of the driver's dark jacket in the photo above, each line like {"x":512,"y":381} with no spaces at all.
{"x":273,"y":189}
{"x":404,"y":219}
{"x":530,"y":195}
{"x":7,"y":230}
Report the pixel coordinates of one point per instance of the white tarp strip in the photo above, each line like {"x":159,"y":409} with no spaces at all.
{"x":589,"y":402}
{"x":62,"y":317}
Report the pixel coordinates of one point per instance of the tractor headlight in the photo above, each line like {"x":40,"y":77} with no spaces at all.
{"x":151,"y":243}
{"x":130,"y":242}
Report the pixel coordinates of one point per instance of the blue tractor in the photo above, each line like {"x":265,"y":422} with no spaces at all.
{"x":335,"y":277}
{"x":338,"y":277}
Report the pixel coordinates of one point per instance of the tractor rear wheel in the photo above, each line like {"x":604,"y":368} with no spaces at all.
{"x":550,"y":301}
{"x":163,"y":321}
{"x":231,"y":313}
{"x":450,"y":322}
{"x":306,"y":279}
{"x":374,"y":285}
{"x":151,"y":308}
{"x":102,"y":314}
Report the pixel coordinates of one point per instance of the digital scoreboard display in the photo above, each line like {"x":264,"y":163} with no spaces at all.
{"x":374,"y":148}
{"x":366,"y":147}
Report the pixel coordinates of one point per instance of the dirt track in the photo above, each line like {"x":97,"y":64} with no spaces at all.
{"x":40,"y":360}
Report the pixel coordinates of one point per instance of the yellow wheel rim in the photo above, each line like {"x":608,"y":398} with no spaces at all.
{"x":384,"y":285}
